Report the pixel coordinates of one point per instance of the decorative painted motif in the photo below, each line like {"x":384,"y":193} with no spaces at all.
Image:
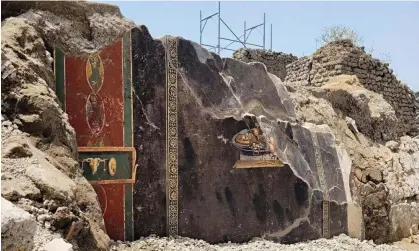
{"x":111,"y":170}
{"x":172,"y":182}
{"x":109,"y":165}
{"x":112,"y":166}
{"x":95,"y":108}
{"x":94,"y":97}
{"x":96,"y":93}
{"x":95,"y":111}
{"x":256,"y":149}
{"x":94,"y":72}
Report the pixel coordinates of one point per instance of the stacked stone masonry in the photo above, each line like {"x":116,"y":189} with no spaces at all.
{"x":417,"y":111}
{"x":275,"y":62}
{"x":342,"y":57}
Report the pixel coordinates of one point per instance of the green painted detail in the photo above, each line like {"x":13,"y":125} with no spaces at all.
{"x":60,"y":75}
{"x":129,"y":220}
{"x":126,"y":59}
{"x":123,"y":163}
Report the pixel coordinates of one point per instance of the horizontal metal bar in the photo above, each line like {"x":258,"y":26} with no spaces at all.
{"x":209,"y":45}
{"x":241,"y":42}
{"x":254,"y":27}
{"x":228,"y":39}
{"x":225,"y":48}
{"x":230,"y":43}
{"x":209,"y":17}
{"x":254,"y":45}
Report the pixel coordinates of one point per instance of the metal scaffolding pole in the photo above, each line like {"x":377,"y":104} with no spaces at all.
{"x":200,"y":27}
{"x":246,"y":32}
{"x":271,"y":37}
{"x":264,"y":19}
{"x":219,"y":27}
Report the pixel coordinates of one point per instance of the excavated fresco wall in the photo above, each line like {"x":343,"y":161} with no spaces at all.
{"x":188,"y":104}
{"x":342,"y":57}
{"x":200,"y":194}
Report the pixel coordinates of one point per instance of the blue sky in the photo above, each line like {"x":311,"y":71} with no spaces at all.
{"x":391,"y":28}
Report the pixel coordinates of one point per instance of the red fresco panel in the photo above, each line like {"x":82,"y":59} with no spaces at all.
{"x":111,"y":198}
{"x":94,"y":97}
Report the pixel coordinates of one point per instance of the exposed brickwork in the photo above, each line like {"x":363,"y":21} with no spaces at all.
{"x":342,"y":57}
{"x":275,"y":61}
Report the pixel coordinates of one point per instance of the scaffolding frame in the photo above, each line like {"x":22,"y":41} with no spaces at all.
{"x":242,"y":39}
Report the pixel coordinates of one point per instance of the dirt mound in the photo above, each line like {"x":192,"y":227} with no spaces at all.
{"x":40,"y":173}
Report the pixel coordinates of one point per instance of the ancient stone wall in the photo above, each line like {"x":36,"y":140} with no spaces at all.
{"x":342,"y":57}
{"x":417,"y":111}
{"x":299,"y":70}
{"x":275,"y":61}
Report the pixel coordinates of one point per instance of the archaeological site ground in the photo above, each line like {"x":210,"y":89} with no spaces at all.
{"x":115,"y":140}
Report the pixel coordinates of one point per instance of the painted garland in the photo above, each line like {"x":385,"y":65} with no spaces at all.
{"x":172,"y":179}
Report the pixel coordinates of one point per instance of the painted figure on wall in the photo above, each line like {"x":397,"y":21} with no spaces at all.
{"x":94,"y":72}
{"x":256,"y":149}
{"x":254,"y":141}
{"x":95,"y":109}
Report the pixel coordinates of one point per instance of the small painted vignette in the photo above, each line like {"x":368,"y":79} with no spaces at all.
{"x":127,"y":183}
{"x":114,"y":149}
{"x":172,"y":179}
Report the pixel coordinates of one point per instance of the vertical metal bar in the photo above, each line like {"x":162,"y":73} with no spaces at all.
{"x":244,"y":31}
{"x":200,"y":27}
{"x":271,"y":37}
{"x":219,"y":25}
{"x":264,"y":19}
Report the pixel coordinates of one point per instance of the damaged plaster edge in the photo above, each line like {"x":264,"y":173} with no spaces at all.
{"x":323,"y":128}
{"x":345,"y":163}
{"x":75,"y":46}
{"x":344,"y":159}
{"x":281,"y":89}
{"x":202,"y":54}
{"x":282,"y":233}
{"x":356,"y":228}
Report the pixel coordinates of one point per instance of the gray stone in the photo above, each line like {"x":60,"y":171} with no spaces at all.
{"x":373,"y":175}
{"x":404,"y":218}
{"x":360,"y":175}
{"x":63,"y":217}
{"x":17,"y":227}
{"x":51,"y":181}
{"x":58,"y":244}
{"x":15,"y":188}
{"x":375,"y":206}
{"x":393,"y":145}
{"x":16,"y":150}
